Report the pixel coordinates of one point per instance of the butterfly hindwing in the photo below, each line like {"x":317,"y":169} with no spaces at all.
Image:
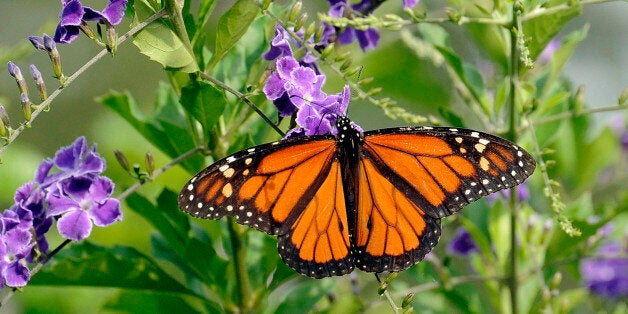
{"x":317,"y":244}
{"x":391,"y":233}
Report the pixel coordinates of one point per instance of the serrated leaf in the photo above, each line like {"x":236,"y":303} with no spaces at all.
{"x":160,"y":43}
{"x":88,"y":264}
{"x":232,"y":25}
{"x":204,"y":102}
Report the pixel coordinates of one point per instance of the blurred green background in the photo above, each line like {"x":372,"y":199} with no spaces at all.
{"x":600,"y":63}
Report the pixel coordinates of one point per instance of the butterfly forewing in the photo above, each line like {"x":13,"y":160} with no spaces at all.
{"x":264,"y":187}
{"x":443,"y":169}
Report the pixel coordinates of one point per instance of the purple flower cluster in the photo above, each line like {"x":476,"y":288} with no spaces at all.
{"x":369,"y":38}
{"x":74,"y":16}
{"x":607,"y":273}
{"x":77,"y":195}
{"x":296,"y":88}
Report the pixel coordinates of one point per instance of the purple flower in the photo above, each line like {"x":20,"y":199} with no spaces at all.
{"x":75,"y":160}
{"x":548,"y":52}
{"x":81,"y":201}
{"x":32,"y":199}
{"x":462,"y":244}
{"x":15,"y":246}
{"x":279,"y":45}
{"x":408,"y":4}
{"x":71,"y":19}
{"x":112,"y":14}
{"x":74,"y":15}
{"x":369,"y":38}
{"x":607,"y":274}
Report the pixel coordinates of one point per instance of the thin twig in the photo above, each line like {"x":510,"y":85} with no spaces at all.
{"x":570,"y":114}
{"x":243,"y":97}
{"x":46,"y":103}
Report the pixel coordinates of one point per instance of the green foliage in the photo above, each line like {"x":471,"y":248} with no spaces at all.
{"x":463,"y":80}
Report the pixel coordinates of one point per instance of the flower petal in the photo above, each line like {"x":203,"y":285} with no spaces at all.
{"x":75,"y":225}
{"x":115,"y":11}
{"x":106,"y":213}
{"x":59,"y":204}
{"x":17,"y":275}
{"x":69,"y":157}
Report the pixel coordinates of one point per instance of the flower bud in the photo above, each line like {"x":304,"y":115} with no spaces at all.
{"x":124,"y":163}
{"x":623,"y":97}
{"x":407,"y":300}
{"x":26,"y":106}
{"x":88,"y":31}
{"x":556,"y":279}
{"x":309,"y":31}
{"x":15,"y":71}
{"x":38,"y":42}
{"x":295,"y":11}
{"x":150,"y":164}
{"x":300,"y":22}
{"x":4,"y":122}
{"x":354,"y":70}
{"x":39,"y":81}
{"x":382,"y":288}
{"x":319,"y":33}
{"x":112,"y":39}
{"x":327,"y":51}
{"x":579,"y":100}
{"x":54,"y":55}
{"x":345,"y":65}
{"x":391,"y":277}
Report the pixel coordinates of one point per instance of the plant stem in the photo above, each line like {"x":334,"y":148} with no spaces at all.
{"x":512,"y":134}
{"x":242,"y":277}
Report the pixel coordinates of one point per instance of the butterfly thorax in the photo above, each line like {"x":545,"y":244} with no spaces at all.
{"x":349,"y":147}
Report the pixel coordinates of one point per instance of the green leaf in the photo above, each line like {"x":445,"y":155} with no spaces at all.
{"x":88,"y":264}
{"x":133,"y":301}
{"x":166,"y":129}
{"x":232,"y":25}
{"x":298,"y":295}
{"x":540,"y":30}
{"x":238,"y":64}
{"x":204,"y":102}
{"x":460,"y":70}
{"x":160,"y":43}
{"x":499,"y":230}
{"x":561,"y":56}
{"x":165,"y":217}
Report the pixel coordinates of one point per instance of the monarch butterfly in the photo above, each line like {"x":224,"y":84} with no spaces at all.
{"x":369,"y":200}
